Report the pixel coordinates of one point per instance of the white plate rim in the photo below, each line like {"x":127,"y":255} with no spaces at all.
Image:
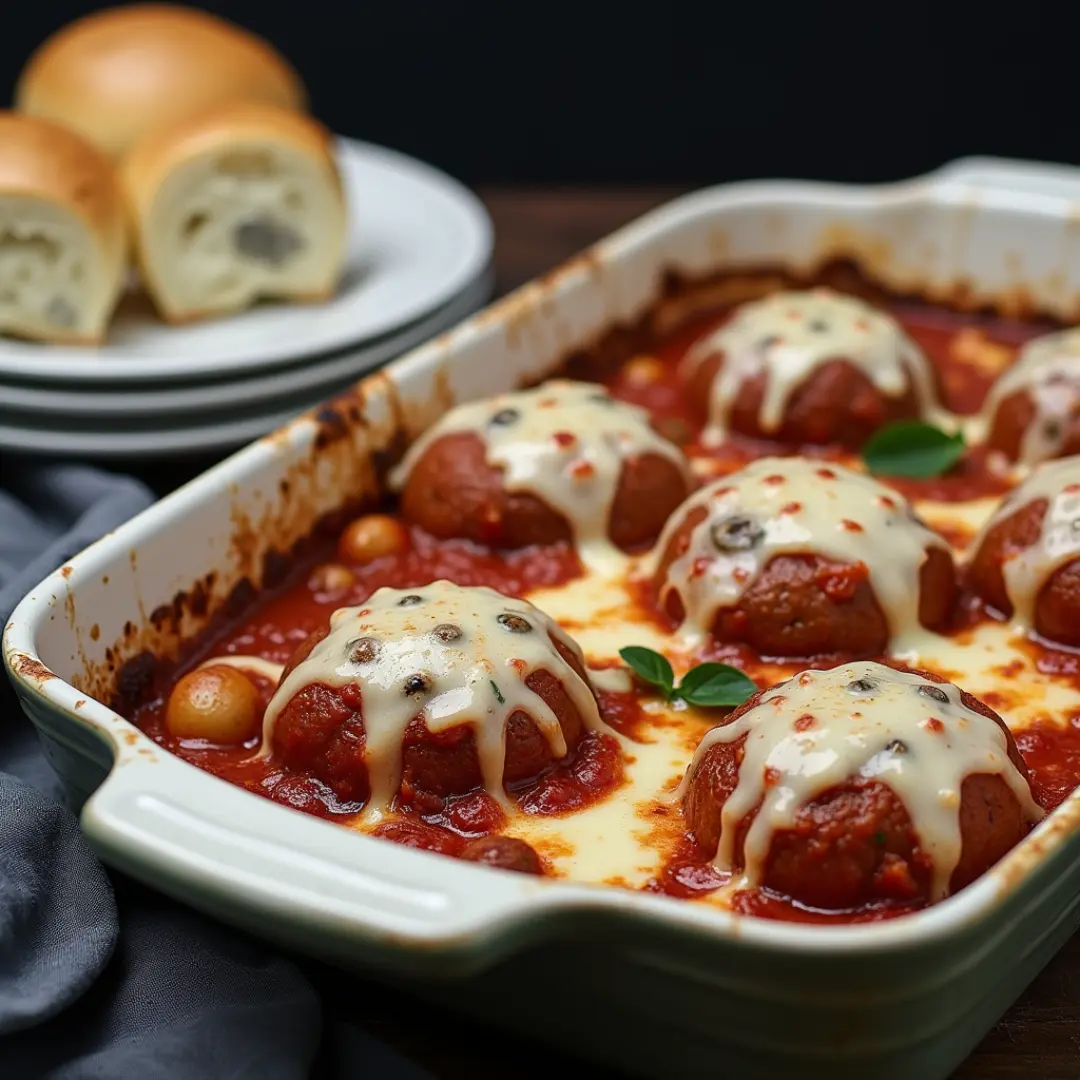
{"x":460,"y":208}
{"x":43,"y":404}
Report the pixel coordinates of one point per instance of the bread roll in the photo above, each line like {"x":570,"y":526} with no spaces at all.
{"x":115,"y":75}
{"x":240,"y":203}
{"x":63,"y":243}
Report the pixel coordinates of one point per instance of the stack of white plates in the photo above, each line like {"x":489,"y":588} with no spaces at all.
{"x":419,"y":261}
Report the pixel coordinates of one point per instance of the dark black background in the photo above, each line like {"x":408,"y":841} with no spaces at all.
{"x":667,"y":91}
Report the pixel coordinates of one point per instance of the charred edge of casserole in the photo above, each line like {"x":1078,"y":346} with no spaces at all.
{"x":137,"y":678}
{"x":338,"y":419}
{"x":133,"y":666}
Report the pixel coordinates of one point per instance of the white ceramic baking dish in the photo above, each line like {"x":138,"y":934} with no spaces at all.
{"x":660,"y":987}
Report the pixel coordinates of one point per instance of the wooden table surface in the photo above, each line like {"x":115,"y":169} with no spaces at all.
{"x":1038,"y":1038}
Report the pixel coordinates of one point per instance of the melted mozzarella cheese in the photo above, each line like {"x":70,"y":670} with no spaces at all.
{"x":796,"y":506}
{"x":451,"y":655}
{"x":1048,"y":369}
{"x":1025,"y":572}
{"x":787,"y":336}
{"x":563,"y":442}
{"x":621,"y":839}
{"x":625,"y":838}
{"x":820,"y":728}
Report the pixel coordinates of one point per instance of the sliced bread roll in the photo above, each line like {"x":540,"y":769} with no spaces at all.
{"x":63,"y":239}
{"x":240,"y":203}
{"x":115,"y":75}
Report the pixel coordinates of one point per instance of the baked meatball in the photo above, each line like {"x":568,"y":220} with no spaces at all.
{"x":808,"y":368}
{"x":1034,"y":406}
{"x":799,"y":558}
{"x":563,"y":461}
{"x":857,"y":785}
{"x":1026,"y":560}
{"x":419,"y":695}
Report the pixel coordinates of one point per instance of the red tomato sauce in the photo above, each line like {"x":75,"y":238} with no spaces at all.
{"x":283,"y":618}
{"x":1052,"y":755}
{"x":940,"y":334}
{"x":767,"y":905}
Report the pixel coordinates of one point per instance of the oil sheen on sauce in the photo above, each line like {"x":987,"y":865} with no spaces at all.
{"x":564,"y":442}
{"x":450,"y":654}
{"x":868,"y":720}
{"x":795,"y":506}
{"x":787,"y":335}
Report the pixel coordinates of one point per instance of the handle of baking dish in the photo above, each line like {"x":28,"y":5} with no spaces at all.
{"x":1006,"y":177}
{"x":291,"y":876}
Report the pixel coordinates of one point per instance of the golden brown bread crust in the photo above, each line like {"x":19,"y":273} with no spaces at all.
{"x":49,"y":162}
{"x":117,"y":74}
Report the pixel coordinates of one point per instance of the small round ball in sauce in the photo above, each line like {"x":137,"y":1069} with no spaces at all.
{"x":562,"y":462}
{"x":371,"y":537}
{"x":1026,"y":561}
{"x":216,"y":703}
{"x":643,"y":371}
{"x":331,"y":579}
{"x":808,"y":368}
{"x":419,"y":695}
{"x":1033,"y":408}
{"x":503,"y":853}
{"x":799,"y":558}
{"x":859,"y":785}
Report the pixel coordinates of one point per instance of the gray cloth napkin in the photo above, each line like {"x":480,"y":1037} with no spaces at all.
{"x":100,"y":977}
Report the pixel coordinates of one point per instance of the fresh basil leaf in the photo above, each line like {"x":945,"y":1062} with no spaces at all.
{"x":498,"y":693}
{"x":913,"y":449}
{"x":650,"y":666}
{"x":712,"y":685}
